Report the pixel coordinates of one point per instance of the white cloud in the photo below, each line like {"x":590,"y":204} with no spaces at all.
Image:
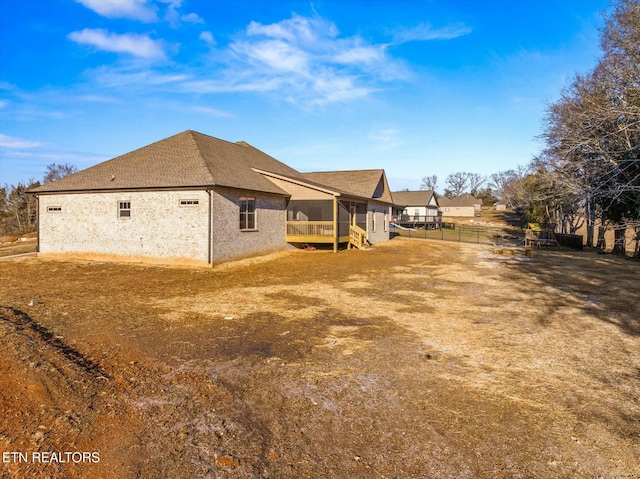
{"x":361,"y":54}
{"x":134,"y":79}
{"x":337,"y":89}
{"x":192,"y":18}
{"x":7,"y":141}
{"x":297,"y":29}
{"x":211,"y":111}
{"x":302,"y":60}
{"x":385,"y":138}
{"x":307,"y":60}
{"x":141,"y":10}
{"x":207,"y":37}
{"x":425,"y":32}
{"x":137,"y":45}
{"x":275,"y":55}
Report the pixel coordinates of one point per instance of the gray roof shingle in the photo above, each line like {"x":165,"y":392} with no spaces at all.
{"x":412,"y":198}
{"x":363,"y":183}
{"x":188,"y":159}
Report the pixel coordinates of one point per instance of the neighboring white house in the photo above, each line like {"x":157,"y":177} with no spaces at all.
{"x":461,"y":206}
{"x":500,"y":205}
{"x":416,"y":208}
{"x":197,"y":199}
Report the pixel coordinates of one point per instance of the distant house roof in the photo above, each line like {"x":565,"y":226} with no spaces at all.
{"x":413,"y":198}
{"x":463,"y":200}
{"x":188,"y":159}
{"x":363,"y":183}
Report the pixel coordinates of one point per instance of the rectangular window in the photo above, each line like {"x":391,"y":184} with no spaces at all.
{"x":124,"y":209}
{"x":189,"y":202}
{"x":247,"y":213}
{"x":54,"y":209}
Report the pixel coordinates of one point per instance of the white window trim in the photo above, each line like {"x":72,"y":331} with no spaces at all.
{"x":254,"y":213}
{"x":121,"y":209}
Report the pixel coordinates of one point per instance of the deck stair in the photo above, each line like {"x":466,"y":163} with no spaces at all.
{"x":358,"y":238}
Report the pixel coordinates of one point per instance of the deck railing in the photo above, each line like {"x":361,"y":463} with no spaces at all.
{"x":310,"y":228}
{"x":358,"y":236}
{"x":417,"y":219}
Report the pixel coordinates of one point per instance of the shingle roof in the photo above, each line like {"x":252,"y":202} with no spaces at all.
{"x":362,"y":183}
{"x":412,"y":198}
{"x":464,"y":200}
{"x":188,"y":159}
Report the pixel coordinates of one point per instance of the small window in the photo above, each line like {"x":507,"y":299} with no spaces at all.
{"x":124,"y":209}
{"x":189,"y":202}
{"x":247,"y":213}
{"x":54,"y":209}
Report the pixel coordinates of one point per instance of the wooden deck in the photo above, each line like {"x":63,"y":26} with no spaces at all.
{"x":323,"y":232}
{"x":312,"y":232}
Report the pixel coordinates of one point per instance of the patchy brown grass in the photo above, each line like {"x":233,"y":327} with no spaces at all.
{"x":416,"y":359}
{"x":10,"y":246}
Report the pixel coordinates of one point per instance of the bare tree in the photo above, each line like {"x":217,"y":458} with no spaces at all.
{"x":3,"y":200}
{"x":22,"y":206}
{"x":429,"y":182}
{"x":499,"y":181}
{"x":55,"y":172}
{"x":475,"y":182}
{"x":592,"y":132}
{"x":457,"y":184}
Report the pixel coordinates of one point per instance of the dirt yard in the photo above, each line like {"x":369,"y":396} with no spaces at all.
{"x":417,"y":359}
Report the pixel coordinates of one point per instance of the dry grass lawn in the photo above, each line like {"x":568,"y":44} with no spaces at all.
{"x":415,"y":359}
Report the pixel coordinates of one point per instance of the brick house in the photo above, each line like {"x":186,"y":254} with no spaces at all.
{"x":192,"y":198}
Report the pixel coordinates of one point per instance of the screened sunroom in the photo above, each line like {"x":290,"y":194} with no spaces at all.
{"x":324,"y":221}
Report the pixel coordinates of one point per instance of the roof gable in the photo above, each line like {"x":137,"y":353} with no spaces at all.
{"x":370,"y":184}
{"x":414,"y":198}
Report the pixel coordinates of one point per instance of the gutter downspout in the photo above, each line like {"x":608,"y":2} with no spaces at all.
{"x":37,"y":223}
{"x":336,"y":233}
{"x":210,"y":228}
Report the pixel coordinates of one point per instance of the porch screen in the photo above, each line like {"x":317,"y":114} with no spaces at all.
{"x":310,"y":210}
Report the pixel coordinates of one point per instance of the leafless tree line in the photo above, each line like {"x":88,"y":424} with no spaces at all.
{"x":18,"y":208}
{"x":590,"y":167}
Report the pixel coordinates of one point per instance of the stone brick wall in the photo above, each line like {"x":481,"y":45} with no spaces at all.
{"x":230,"y":242}
{"x":159,"y":227}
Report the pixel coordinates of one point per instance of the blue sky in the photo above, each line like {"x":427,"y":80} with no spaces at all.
{"x":415,"y":87}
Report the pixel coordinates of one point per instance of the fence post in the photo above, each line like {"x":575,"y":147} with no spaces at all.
{"x":478,"y":235}
{"x":459,"y":235}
